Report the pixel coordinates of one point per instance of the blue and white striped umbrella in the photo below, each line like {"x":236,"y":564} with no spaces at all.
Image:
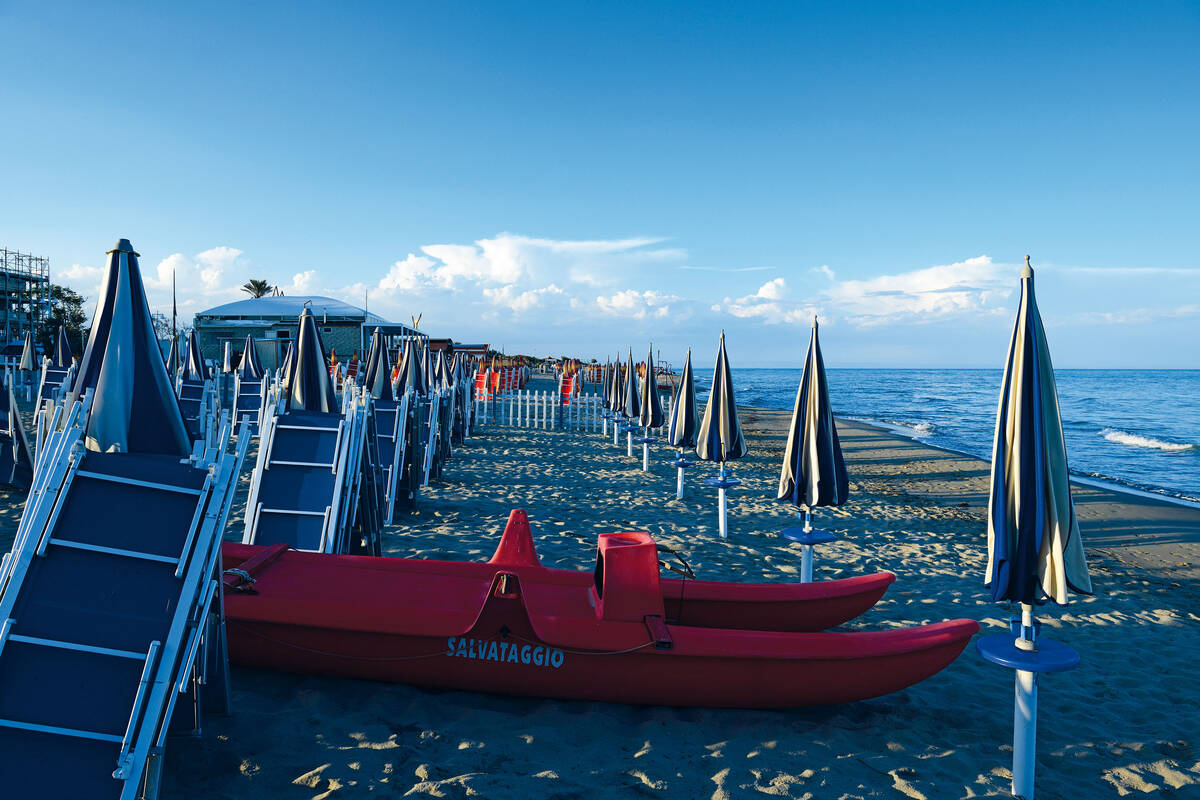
{"x":172,"y":361}
{"x":682,"y":424}
{"x":62,"y":349}
{"x":720,"y":437}
{"x":1035,"y":551}
{"x":250,"y":367}
{"x":378,"y":378}
{"x":134,"y":408}
{"x":194,"y":368}
{"x":814,"y":470}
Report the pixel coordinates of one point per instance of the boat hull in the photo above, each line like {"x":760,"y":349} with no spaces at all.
{"x":538,"y":635}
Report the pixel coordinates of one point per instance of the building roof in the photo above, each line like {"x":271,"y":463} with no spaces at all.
{"x":287,"y":308}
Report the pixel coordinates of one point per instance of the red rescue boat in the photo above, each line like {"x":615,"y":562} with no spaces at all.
{"x":512,"y":626}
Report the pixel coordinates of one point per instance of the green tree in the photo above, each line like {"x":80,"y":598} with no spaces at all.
{"x":257,"y":288}
{"x":66,"y":309}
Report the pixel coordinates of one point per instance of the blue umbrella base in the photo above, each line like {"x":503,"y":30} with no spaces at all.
{"x":1051,"y":656}
{"x":723,"y":483}
{"x":646,"y":440}
{"x":814,"y":536}
{"x":681,"y":463}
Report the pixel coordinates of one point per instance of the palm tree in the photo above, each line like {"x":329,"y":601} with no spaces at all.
{"x":256,"y":288}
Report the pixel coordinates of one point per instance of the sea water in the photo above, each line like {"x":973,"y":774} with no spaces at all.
{"x":1136,"y":428}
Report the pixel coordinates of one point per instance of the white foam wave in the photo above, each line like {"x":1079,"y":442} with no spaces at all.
{"x":1134,"y":440}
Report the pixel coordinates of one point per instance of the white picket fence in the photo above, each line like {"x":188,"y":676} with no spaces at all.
{"x":529,"y":409}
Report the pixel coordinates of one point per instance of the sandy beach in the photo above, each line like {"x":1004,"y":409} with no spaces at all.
{"x":1123,"y":724}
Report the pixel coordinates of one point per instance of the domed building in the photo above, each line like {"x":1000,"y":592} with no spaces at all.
{"x":272,"y":322}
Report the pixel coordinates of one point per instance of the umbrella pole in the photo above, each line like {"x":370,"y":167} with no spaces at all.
{"x":806,"y":553}
{"x":1025,"y":715}
{"x":629,"y":442}
{"x":616,"y":431}
{"x":679,"y":480}
{"x":646,"y":453}
{"x":721,"y":502}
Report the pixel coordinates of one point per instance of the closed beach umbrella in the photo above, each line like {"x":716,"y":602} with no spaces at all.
{"x":289,"y":356}
{"x":307,"y":383}
{"x":134,"y":408}
{"x":1035,"y":551}
{"x":28,"y":356}
{"x":173,"y":358}
{"x":652,"y":413}
{"x":682,"y":425}
{"x":631,"y":405}
{"x":412,"y":377}
{"x":426,"y":364}
{"x":62,"y":349}
{"x":378,"y":378}
{"x":442,"y":371}
{"x":227,"y":358}
{"x":616,"y":387}
{"x":194,"y":368}
{"x":814,"y":470}
{"x":250,"y":367}
{"x":720,"y":437}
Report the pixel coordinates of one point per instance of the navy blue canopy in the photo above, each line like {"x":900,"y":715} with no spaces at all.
{"x":62,"y":349}
{"x":227,"y":358}
{"x":194,"y":368}
{"x":134,"y":408}
{"x":172,"y":361}
{"x":378,"y":378}
{"x":631,"y":405}
{"x":720,"y":437}
{"x":814,"y":470}
{"x":1035,"y":550}
{"x":250,"y":367}
{"x":412,"y":377}
{"x":652,"y":413}
{"x":307,"y":383}
{"x":681,"y":428}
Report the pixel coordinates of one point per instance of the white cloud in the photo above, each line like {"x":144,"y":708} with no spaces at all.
{"x":970,"y":286}
{"x":1128,"y":316}
{"x":769,"y":303}
{"x":637,"y":305}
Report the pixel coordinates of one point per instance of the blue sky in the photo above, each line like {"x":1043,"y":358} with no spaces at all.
{"x":583,"y":177}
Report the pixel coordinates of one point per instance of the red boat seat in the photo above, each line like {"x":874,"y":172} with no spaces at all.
{"x":626,"y":578}
{"x":516,"y":545}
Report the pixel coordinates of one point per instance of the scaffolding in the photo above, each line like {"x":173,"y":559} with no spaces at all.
{"x":25,"y":298}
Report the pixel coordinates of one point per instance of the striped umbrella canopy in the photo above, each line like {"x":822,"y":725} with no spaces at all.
{"x":378,"y":377}
{"x":614,"y":388}
{"x":442,"y":371}
{"x":134,"y":408}
{"x":681,"y":427}
{"x":631,"y":405}
{"x":289,"y":356}
{"x":194,"y":368}
{"x":426,"y":365}
{"x":227,"y":358}
{"x":720,"y":435}
{"x":28,"y":354}
{"x":62,"y":349}
{"x":250,"y":367}
{"x":1035,"y":551}
{"x":652,"y":413}
{"x":814,"y":471}
{"x":307,"y":384}
{"x":172,"y":362}
{"x":412,"y":377}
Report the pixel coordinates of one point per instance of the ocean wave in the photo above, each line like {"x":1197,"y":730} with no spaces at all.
{"x":1134,"y":440}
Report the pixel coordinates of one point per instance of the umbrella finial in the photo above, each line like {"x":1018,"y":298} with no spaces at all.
{"x":1027,"y":270}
